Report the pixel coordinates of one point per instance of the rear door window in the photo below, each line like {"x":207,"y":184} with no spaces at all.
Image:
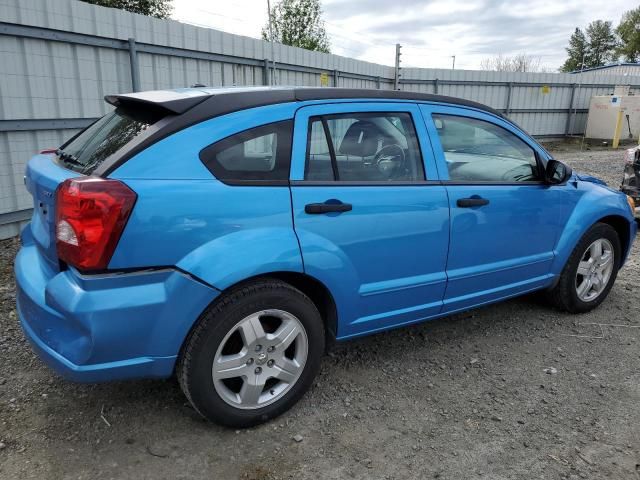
{"x":87,"y":150}
{"x":363,"y":147}
{"x":259,"y":155}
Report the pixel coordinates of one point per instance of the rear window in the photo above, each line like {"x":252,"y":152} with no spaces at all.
{"x":86,"y":151}
{"x":261,"y":155}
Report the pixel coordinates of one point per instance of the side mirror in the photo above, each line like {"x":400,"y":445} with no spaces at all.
{"x":557,"y":172}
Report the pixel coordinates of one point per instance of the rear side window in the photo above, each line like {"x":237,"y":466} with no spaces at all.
{"x":260,"y":155}
{"x":87,"y":150}
{"x":363,"y":147}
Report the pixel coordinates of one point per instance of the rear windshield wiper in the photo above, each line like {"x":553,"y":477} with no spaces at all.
{"x":68,"y":157}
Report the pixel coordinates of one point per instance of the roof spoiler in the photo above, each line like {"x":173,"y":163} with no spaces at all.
{"x":170,"y":102}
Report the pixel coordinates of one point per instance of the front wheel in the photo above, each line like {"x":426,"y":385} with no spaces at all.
{"x":590,"y":271}
{"x":253,"y":354}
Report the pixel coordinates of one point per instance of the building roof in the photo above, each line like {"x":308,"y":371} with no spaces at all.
{"x":611,"y":65}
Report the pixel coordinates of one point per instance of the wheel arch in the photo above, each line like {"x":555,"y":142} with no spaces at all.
{"x":611,"y":210}
{"x":622,"y":227}
{"x":319,"y":294}
{"x":564,"y":293}
{"x":310,"y":286}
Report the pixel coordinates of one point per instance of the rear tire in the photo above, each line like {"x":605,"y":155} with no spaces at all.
{"x":252,"y":354}
{"x":590,"y":271}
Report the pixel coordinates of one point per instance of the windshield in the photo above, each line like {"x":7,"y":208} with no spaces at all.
{"x":103,"y":138}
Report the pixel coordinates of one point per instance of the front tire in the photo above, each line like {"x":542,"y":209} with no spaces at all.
{"x":590,"y":272}
{"x":253,"y":354}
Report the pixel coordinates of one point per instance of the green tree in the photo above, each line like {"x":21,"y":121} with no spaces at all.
{"x":298,"y":23}
{"x":597,"y":47}
{"x":602,"y":44}
{"x":577,"y":51}
{"x":152,"y":8}
{"x":629,"y":34}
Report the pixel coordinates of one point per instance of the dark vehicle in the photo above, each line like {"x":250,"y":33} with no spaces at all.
{"x":631,"y":176}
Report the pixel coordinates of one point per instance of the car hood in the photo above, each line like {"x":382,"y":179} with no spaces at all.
{"x":589,"y":178}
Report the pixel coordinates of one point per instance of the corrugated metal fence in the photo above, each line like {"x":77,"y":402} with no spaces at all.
{"x":58,"y":58}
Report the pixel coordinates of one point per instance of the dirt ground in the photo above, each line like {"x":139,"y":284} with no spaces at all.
{"x":511,"y":391}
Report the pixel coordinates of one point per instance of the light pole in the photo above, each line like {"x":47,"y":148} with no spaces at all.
{"x":273,"y":57}
{"x":453,"y":66}
{"x":575,"y":111}
{"x":396,"y":80}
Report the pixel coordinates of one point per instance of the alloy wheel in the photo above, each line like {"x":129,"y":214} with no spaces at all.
{"x":260,"y":359}
{"x":594,"y":270}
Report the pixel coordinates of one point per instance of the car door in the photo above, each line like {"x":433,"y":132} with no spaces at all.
{"x":504,"y":219}
{"x":370,"y":215}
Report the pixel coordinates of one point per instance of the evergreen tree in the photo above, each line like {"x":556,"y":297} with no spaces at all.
{"x":629,"y":34}
{"x":576,"y":50}
{"x":597,"y":47}
{"x":602,"y":44}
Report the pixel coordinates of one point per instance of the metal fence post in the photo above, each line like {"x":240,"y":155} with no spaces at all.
{"x":378,"y":82}
{"x":133,"y":59}
{"x":435,"y":86}
{"x":507,"y":109}
{"x":265,"y":72}
{"x":571,"y":117}
{"x":336,"y":76}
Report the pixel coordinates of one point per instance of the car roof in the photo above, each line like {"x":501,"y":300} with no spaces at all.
{"x":218,"y":101}
{"x":184,"y":107}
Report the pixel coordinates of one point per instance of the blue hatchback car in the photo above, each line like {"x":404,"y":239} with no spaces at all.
{"x":227,"y":235}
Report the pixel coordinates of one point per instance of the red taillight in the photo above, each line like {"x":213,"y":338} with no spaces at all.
{"x":47,"y":151}
{"x":91,"y":213}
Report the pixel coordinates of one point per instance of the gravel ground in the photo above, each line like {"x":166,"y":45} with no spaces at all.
{"x":514,"y":390}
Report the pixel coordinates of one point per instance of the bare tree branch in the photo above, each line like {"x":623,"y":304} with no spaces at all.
{"x":517,"y":63}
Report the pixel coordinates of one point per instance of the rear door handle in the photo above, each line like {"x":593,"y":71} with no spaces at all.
{"x":327,"y":207}
{"x":472,"y":202}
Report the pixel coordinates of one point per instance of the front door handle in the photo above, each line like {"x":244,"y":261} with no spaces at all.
{"x":472,"y":202}
{"x":327,"y":207}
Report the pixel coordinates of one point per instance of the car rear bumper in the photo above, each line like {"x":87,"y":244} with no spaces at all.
{"x":93,"y":328}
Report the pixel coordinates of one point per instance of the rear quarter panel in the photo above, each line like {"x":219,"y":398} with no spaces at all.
{"x":187,"y":218}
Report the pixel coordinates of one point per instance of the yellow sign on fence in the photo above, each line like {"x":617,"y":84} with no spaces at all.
{"x":324,"y":79}
{"x":546,"y":89}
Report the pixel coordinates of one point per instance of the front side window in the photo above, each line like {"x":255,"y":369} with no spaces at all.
{"x":363,"y":147}
{"x":480,"y":151}
{"x":259,"y":154}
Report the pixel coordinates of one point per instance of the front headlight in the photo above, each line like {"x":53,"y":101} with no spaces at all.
{"x":632,"y":204}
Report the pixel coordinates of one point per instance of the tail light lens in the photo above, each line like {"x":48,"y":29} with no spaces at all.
{"x":91,"y":214}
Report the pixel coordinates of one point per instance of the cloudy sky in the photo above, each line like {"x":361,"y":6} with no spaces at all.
{"x":430,"y":31}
